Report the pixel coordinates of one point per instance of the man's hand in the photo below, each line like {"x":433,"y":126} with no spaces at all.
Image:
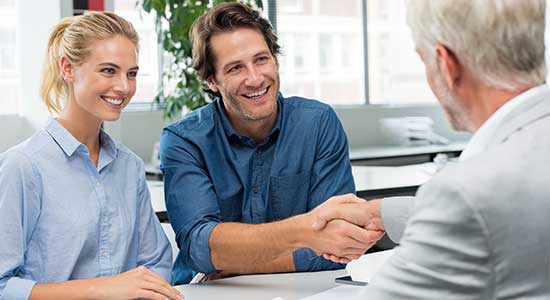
{"x":344,"y":240}
{"x":356,"y":211}
{"x":352,"y":209}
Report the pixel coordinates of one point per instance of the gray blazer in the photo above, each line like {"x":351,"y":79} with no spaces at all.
{"x":479,"y":229}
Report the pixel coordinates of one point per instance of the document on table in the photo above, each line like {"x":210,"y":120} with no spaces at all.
{"x":339,"y":292}
{"x":366,"y":266}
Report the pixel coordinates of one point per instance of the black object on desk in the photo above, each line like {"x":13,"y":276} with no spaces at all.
{"x":348,"y":280}
{"x":388,"y":192}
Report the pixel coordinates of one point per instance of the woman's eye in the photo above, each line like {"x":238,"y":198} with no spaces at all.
{"x":108,"y":70}
{"x":132,"y":74}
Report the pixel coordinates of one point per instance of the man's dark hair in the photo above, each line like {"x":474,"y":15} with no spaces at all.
{"x":225,"y":17}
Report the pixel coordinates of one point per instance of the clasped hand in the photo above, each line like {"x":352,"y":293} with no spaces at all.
{"x":345,"y":227}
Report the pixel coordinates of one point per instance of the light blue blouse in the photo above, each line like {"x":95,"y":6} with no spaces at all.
{"x":63,"y":218}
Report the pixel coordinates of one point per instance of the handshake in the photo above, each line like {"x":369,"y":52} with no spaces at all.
{"x":345,"y":227}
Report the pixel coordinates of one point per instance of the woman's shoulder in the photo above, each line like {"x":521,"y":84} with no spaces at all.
{"x":23,"y":156}
{"x":29,"y":148}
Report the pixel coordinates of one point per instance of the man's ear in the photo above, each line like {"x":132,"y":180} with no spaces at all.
{"x":211,"y":81}
{"x":67,"y":70}
{"x":448,"y":65}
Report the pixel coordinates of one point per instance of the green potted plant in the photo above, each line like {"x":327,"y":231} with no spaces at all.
{"x":173,"y":22}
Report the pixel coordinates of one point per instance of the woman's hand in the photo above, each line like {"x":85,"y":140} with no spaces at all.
{"x":136,"y":283}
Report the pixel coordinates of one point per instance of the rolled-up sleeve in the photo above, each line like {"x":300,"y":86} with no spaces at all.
{"x":191,"y":201}
{"x":155,"y":252}
{"x":331,"y":176}
{"x":19,"y":210}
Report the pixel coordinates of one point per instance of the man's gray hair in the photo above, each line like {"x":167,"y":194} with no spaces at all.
{"x":500,"y":41}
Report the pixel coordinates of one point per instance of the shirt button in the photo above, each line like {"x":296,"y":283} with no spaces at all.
{"x":255,"y":190}
{"x":104,"y":255}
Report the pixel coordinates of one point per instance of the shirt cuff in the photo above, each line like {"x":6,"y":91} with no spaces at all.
{"x":395,"y":213}
{"x":199,"y":252}
{"x":305,"y":260}
{"x":18,"y":289}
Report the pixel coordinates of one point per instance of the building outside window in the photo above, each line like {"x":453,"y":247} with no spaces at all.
{"x":324,"y":52}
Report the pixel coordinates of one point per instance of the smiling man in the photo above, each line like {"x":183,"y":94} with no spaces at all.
{"x":242,"y":173}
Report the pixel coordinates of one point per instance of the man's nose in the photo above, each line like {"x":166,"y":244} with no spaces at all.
{"x":254,"y":77}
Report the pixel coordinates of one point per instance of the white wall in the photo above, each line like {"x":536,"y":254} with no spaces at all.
{"x":14,"y":129}
{"x":34,"y":22}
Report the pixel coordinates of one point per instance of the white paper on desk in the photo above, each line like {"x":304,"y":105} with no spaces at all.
{"x":366,"y":266}
{"x":340,"y":292}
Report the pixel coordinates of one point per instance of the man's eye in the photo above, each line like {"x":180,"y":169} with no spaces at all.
{"x":262,"y":58}
{"x":108,"y":70}
{"x":234,"y":69}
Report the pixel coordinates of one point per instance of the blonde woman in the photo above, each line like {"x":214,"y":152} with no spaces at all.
{"x":76,"y":220}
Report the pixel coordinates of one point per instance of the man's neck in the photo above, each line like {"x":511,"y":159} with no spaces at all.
{"x":487,"y":100}
{"x":258,"y":130}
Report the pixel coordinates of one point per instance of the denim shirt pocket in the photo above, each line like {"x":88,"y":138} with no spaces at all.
{"x":289,"y":194}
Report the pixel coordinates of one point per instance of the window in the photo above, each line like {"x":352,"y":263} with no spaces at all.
{"x":396,"y":73}
{"x":144,"y":24}
{"x":322,"y":44}
{"x":9,"y":81}
{"x":324,"y":50}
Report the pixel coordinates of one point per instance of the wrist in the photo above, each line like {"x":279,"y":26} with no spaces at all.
{"x":93,"y":288}
{"x":300,"y":231}
{"x":374,"y":213}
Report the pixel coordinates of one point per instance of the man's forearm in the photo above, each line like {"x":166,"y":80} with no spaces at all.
{"x":258,"y":248}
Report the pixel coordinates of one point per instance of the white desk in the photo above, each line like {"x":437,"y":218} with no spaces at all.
{"x":156,"y":188}
{"x":289,"y":286}
{"x":377,"y":178}
{"x":366,"y":153}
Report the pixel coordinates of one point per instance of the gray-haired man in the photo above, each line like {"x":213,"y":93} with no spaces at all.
{"x":479,"y":229}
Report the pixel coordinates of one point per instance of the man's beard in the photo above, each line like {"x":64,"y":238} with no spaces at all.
{"x":456,"y":111}
{"x":250,"y":116}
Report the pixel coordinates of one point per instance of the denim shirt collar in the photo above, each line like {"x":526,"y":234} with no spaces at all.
{"x":230,"y":131}
{"x":69,"y":144}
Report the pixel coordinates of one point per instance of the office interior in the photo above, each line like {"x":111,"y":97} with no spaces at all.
{"x":140,"y":125}
{"x":22,"y":112}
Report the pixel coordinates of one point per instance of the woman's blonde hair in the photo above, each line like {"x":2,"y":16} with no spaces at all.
{"x":72,"y":38}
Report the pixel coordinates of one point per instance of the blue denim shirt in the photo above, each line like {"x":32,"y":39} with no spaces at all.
{"x":63,"y":218}
{"x":214,"y":175}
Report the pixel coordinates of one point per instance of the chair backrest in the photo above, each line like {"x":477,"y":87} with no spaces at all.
{"x":171,"y":238}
